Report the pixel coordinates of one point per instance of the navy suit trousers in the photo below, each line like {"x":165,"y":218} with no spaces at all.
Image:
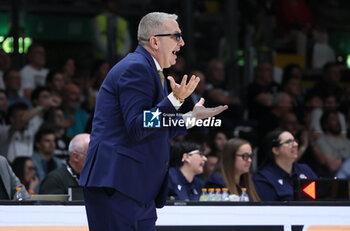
{"x":109,"y":210}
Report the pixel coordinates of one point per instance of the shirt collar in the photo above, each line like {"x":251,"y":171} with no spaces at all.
{"x":283,"y":173}
{"x":157,"y":64}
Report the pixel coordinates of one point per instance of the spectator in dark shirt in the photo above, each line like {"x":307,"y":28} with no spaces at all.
{"x":330,"y":81}
{"x":43,"y":158}
{"x":262,"y":91}
{"x":187,"y":160}
{"x":59,"y":180}
{"x":275,"y":181}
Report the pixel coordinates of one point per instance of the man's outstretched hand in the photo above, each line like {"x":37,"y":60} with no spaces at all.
{"x":183,"y":90}
{"x":201,"y":112}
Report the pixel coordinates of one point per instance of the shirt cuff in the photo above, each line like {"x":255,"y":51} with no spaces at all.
{"x":175,"y":102}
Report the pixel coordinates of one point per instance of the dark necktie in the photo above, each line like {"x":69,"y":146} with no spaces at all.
{"x":162,"y":78}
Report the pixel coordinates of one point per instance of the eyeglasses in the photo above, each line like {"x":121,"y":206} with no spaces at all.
{"x":176,"y":35}
{"x":246,"y":156}
{"x":289,"y":142}
{"x":196,"y":152}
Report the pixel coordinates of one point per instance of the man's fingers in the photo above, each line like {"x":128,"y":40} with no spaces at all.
{"x":218,"y":110}
{"x":172,"y":82}
{"x":184,"y":80}
{"x":200,"y":102}
{"x":193,"y":83}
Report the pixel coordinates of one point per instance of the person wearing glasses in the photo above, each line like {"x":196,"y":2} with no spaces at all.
{"x":126,"y":169}
{"x":24,"y":169}
{"x":233,"y":170}
{"x":9,"y":181}
{"x":187,"y":160}
{"x":274,"y":182}
{"x":59,"y":180}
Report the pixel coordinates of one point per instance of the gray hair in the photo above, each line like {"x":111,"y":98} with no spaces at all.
{"x":77,"y":144}
{"x":152,"y":24}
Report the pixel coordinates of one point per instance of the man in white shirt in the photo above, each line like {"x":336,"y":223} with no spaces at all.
{"x":34,"y":74}
{"x":17,"y":139}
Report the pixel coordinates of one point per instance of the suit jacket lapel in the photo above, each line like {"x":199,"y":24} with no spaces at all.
{"x":150,"y":60}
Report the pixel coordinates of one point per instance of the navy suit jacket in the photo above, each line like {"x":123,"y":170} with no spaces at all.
{"x":122,"y":154}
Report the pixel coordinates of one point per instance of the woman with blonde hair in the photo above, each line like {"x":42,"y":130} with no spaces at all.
{"x":233,"y":170}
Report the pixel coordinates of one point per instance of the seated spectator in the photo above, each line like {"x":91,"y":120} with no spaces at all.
{"x":59,"y":180}
{"x":292,"y":86}
{"x":54,"y":119}
{"x":42,"y":101}
{"x":24,"y":169}
{"x":55,"y":83}
{"x":218,"y":94}
{"x":261,"y":92}
{"x":330,"y":103}
{"x":331,"y":147}
{"x":274,"y":182}
{"x":34,"y":73}
{"x":43,"y":158}
{"x":292,"y":69}
{"x":9,"y":181}
{"x":187,"y":161}
{"x":271,"y":119}
{"x":12,"y":81}
{"x":330,"y":83}
{"x":17,"y":138}
{"x":68,"y":70}
{"x":234,"y":166}
{"x":72,"y":111}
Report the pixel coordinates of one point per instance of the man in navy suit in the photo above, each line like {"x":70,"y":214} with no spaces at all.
{"x":126,"y":169}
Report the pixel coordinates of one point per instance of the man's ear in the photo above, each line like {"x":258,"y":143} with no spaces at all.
{"x":153,"y":43}
{"x":75,"y":156}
